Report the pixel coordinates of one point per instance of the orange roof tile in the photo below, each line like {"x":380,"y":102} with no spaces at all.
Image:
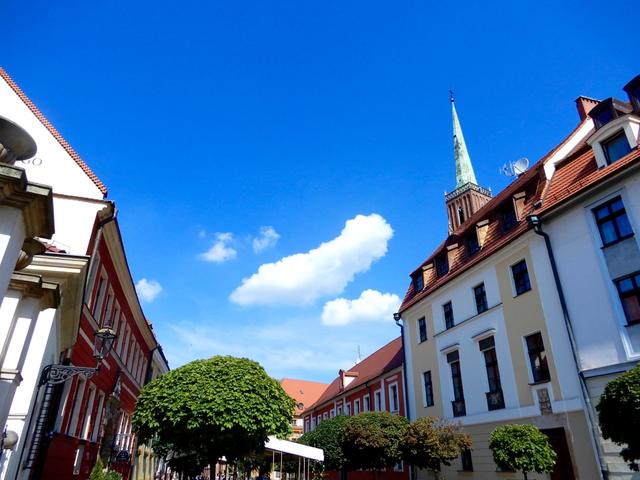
{"x":72,"y":153}
{"x":303,"y":392}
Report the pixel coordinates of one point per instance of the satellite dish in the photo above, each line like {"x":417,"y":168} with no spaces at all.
{"x":520,"y":166}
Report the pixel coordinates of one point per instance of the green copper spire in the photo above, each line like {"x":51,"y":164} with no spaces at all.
{"x":464,"y":170}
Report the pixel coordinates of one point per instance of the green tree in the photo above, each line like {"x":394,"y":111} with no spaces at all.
{"x":210,"y":408}
{"x":619,"y":414}
{"x":97,"y":472}
{"x":429,"y":443}
{"x":521,"y":448}
{"x":372,"y":440}
{"x":328,"y":436}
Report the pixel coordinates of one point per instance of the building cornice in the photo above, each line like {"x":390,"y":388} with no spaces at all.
{"x":30,"y":285}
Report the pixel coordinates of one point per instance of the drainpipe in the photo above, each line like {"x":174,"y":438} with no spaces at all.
{"x":535,"y":222}
{"x":397,"y":318}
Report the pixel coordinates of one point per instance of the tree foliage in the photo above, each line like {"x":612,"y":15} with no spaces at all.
{"x":372,"y":440}
{"x":97,"y":472}
{"x":619,"y":414}
{"x":328,"y":436}
{"x":210,"y":408}
{"x":521,"y":448}
{"x":430,"y":442}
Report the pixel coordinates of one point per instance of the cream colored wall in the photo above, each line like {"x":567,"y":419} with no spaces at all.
{"x":523,"y":316}
{"x":423,"y":358}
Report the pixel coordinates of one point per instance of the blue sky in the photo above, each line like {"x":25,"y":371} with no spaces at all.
{"x":328,"y":122}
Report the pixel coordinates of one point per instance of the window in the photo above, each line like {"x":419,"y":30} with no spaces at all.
{"x":520,"y":277}
{"x":97,"y":305}
{"x":465,"y":458}
{"x":77,"y":462}
{"x":612,"y":221}
{"x":473,"y":246}
{"x":460,"y":215}
{"x":422,"y":329}
{"x":377,"y":399}
{"x":86,"y":423}
{"x":428,"y":389}
{"x":399,"y":467}
{"x":96,"y":426}
{"x":347,"y":409}
{"x":447,"y":308}
{"x":325,"y":415}
{"x":366,"y":403}
{"x":629,"y":291}
{"x":77,"y":404}
{"x":481,"y":298}
{"x":107,"y":313}
{"x":393,"y":397}
{"x":442,"y":264}
{"x":616,"y":147}
{"x":509,"y":219}
{"x":603,"y":117}
{"x":356,"y":407}
{"x":537,"y":358}
{"x":418,"y":283}
{"x":453,"y":358}
{"x":495,"y":400}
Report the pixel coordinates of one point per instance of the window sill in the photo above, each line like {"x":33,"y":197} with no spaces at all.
{"x":539,"y":382}
{"x":522,"y":293}
{"x":615,"y":242}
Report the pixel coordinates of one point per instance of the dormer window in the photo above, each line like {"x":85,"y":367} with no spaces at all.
{"x":509,"y":219}
{"x":442,"y":264}
{"x":633,"y":90}
{"x":473,"y":246}
{"x":607,"y":111}
{"x":418,"y":283}
{"x":616,"y":147}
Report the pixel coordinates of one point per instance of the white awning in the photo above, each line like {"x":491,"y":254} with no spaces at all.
{"x":276,"y":445}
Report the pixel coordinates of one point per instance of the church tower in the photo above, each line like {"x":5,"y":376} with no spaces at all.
{"x":468,"y":197}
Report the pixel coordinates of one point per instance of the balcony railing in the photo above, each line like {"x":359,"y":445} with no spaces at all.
{"x":459,"y":409}
{"x":495,"y":400}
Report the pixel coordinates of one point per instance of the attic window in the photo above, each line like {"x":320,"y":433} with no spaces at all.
{"x":616,"y":147}
{"x":418,"y":283}
{"x":607,"y":111}
{"x":633,"y":90}
{"x":473,"y":246}
{"x":442,"y":264}
{"x":509,"y":219}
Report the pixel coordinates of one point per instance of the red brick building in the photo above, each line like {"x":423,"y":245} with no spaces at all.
{"x":373,"y":385}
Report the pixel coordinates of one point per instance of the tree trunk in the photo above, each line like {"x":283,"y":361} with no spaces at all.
{"x":525,"y":475}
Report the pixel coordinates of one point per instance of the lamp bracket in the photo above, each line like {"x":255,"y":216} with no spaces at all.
{"x":54,"y":374}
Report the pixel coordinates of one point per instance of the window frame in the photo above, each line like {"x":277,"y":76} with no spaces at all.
{"x":508,"y":218}
{"x":531,"y":355}
{"x":428,"y":400}
{"x":611,"y":216}
{"x":515,"y":281}
{"x":442,"y":264}
{"x":378,"y":400}
{"x":635,"y":292}
{"x":418,"y":283}
{"x":447,"y":310}
{"x":366,"y":403}
{"x":422,"y":329}
{"x":394,"y":399}
{"x":485,"y":304}
{"x":620,"y":134}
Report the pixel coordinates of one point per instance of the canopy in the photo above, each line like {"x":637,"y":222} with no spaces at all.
{"x":284,"y":446}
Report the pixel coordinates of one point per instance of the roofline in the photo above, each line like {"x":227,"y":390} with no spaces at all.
{"x":47,"y":124}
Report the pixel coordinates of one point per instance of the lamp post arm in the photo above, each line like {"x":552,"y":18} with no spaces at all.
{"x":54,"y":374}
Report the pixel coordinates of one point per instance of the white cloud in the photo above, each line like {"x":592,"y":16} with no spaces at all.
{"x":267,"y":239}
{"x":148,"y":290}
{"x":301,"y":278}
{"x":220,"y":251}
{"x":371,"y":306}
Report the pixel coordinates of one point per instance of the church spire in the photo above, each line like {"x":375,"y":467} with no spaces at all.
{"x":464,"y":169}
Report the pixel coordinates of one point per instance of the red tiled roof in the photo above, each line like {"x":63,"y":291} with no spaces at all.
{"x":381,"y":361}
{"x":72,"y":153}
{"x":303,"y":391}
{"x":533,"y":182}
{"x":578,"y":174}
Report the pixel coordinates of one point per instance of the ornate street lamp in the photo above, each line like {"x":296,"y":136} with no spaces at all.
{"x":53,"y":374}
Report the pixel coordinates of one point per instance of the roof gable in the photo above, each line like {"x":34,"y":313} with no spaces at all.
{"x":60,"y":166}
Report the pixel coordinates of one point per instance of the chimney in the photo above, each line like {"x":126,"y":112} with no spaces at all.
{"x":584,"y":105}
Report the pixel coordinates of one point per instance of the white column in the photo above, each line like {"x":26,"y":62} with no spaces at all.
{"x":12,"y":235}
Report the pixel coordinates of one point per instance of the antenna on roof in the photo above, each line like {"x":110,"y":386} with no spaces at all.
{"x":358,"y":356}
{"x":515,"y":169}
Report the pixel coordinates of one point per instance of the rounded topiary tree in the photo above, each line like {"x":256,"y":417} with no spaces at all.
{"x":206,"y":409}
{"x":522,"y":448}
{"x":619,"y":414}
{"x":430,"y":443}
{"x":372,"y":440}
{"x":328,"y":436}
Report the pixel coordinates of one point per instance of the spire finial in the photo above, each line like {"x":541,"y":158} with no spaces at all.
{"x":451,"y":96}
